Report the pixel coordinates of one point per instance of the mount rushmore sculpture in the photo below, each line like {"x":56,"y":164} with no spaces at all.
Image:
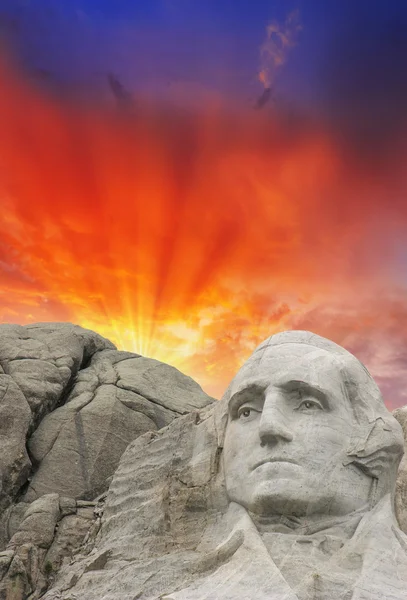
{"x":283,"y":490}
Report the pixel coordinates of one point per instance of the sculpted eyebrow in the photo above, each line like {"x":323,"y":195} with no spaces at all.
{"x":309,"y":388}
{"x":251,"y":392}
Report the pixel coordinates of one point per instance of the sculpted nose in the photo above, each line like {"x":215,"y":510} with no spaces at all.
{"x":273,"y":424}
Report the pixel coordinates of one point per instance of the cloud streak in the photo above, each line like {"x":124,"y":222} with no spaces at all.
{"x":280,"y":38}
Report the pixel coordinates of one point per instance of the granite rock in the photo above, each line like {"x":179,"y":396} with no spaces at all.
{"x":401,"y":485}
{"x":197,"y":500}
{"x":75,"y":403}
{"x":208,"y":507}
{"x":38,"y":364}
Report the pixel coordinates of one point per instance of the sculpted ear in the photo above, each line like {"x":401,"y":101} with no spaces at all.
{"x":377,"y":442}
{"x":377,"y":449}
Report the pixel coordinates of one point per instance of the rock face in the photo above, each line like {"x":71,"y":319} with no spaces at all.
{"x":38,"y":363}
{"x":113,"y":401}
{"x":75,"y":403}
{"x":216,"y":504}
{"x":136,"y":485}
{"x":401,"y":486}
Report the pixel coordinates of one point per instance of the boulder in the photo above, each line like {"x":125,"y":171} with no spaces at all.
{"x":75,"y":403}
{"x":118,"y":397}
{"x":38,"y":364}
{"x":15,"y":419}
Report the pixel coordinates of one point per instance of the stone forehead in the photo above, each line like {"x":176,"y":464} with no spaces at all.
{"x":328,"y":362}
{"x":296,"y":345}
{"x":302,"y":362}
{"x":301,"y":337}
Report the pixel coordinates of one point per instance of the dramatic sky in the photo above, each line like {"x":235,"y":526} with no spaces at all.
{"x":188,"y":177}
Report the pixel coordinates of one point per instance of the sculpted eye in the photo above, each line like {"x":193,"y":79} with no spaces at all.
{"x":307,"y":405}
{"x":246,"y":413}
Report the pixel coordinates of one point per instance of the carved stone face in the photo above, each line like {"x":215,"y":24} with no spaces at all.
{"x":289,"y":426}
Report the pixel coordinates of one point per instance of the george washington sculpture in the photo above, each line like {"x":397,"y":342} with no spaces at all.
{"x":284,"y":490}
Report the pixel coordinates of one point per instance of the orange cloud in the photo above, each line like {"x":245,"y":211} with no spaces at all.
{"x":191,"y":236}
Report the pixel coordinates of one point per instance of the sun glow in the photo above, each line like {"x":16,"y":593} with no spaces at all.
{"x":184,"y":236}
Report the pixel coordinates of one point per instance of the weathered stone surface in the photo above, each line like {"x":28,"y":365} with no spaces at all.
{"x":15,"y":585}
{"x":67,"y":506}
{"x":42,"y":358}
{"x":37,"y":365}
{"x":88,"y":447}
{"x":15,"y":517}
{"x":84,"y":402}
{"x":38,"y":524}
{"x":401,"y":486}
{"x":68,"y":395}
{"x":78,"y":446}
{"x":191,"y":513}
{"x":46,"y":536}
{"x":161,"y":384}
{"x":15,"y":418}
{"x":284,"y":489}
{"x":156,"y":502}
{"x":29,"y":559}
{"x":5,"y":561}
{"x":71,"y":532}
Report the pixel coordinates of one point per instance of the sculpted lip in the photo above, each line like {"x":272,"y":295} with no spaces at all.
{"x":264,"y":461}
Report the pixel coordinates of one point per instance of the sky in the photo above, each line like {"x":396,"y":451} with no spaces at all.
{"x":188,"y":177}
